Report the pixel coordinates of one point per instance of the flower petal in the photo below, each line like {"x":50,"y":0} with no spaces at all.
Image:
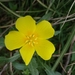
{"x":44,"y":30}
{"x":27,"y":52}
{"x":25,"y":24}
{"x":14,"y":40}
{"x":45,"y":49}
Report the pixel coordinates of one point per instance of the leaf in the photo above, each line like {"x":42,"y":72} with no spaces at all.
{"x":45,"y":17}
{"x":52,"y":73}
{"x":15,"y":57}
{"x":19,"y":66}
{"x":33,"y":67}
{"x":57,"y":73}
{"x":11,"y":59}
{"x":49,"y":72}
{"x":12,"y":6}
{"x":57,"y":32}
{"x":3,"y":59}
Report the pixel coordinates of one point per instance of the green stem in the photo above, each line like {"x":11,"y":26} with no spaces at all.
{"x":9,"y":10}
{"x":64,"y":49}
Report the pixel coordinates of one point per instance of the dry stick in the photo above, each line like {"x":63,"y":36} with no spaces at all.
{"x":62,"y":67}
{"x":7,"y":25}
{"x":4,"y":68}
{"x":69,"y":16}
{"x":52,"y":24}
{"x":63,"y":21}
{"x":70,"y":70}
{"x":58,"y":55}
{"x":11,"y":69}
{"x":62,"y":18}
{"x":71,"y":64}
{"x":68,"y":13}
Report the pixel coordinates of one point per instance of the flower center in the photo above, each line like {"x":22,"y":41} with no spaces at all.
{"x":31,"y":40}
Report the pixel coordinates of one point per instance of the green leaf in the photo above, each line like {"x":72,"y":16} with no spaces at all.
{"x":3,"y":59}
{"x":19,"y":66}
{"x":45,"y":17}
{"x":57,"y":32}
{"x":57,"y":73}
{"x":33,"y":67}
{"x":52,"y":73}
{"x":12,"y":6}
{"x":15,"y":57}
{"x":11,"y":59}
{"x":26,"y":72}
{"x":49,"y":72}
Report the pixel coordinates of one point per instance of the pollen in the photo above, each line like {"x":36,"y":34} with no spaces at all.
{"x":32,"y":40}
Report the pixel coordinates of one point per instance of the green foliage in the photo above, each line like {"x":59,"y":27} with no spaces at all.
{"x":19,"y":66}
{"x":15,"y":57}
{"x":2,"y":42}
{"x":12,"y":6}
{"x":61,"y":14}
{"x":33,"y":67}
{"x":3,"y":59}
{"x":73,"y":55}
{"x":45,"y":17}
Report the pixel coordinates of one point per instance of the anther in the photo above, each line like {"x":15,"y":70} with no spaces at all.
{"x":33,"y":35}
{"x":35,"y":38}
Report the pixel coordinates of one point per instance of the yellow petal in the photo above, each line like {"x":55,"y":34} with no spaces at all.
{"x":14,"y":40}
{"x":25,"y":24}
{"x":44,"y":30}
{"x":45,"y":49}
{"x":27,"y":53}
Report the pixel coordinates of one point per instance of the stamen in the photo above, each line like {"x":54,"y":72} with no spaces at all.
{"x":33,"y":35}
{"x":27,"y":37}
{"x":32,"y":45}
{"x":36,"y":38}
{"x":29,"y":43}
{"x":26,"y":41}
{"x":31,"y":40}
{"x":35,"y":42}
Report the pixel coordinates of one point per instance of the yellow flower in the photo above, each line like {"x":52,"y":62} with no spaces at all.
{"x":31,"y":37}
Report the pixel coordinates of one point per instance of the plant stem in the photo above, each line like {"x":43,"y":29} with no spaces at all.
{"x":64,"y":49}
{"x":9,"y":10}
